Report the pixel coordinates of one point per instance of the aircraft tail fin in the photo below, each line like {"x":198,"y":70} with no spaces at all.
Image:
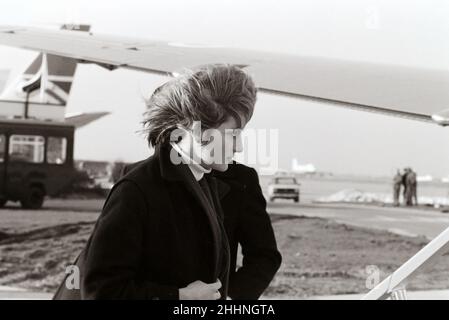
{"x":43,"y":90}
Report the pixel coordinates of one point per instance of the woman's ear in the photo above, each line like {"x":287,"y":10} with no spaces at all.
{"x":207,"y":137}
{"x":178,"y":134}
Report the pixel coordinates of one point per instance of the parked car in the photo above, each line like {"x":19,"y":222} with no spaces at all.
{"x":284,"y":187}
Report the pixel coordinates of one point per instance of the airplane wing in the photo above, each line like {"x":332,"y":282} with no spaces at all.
{"x":421,"y":94}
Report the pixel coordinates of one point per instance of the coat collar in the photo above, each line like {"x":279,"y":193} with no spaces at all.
{"x":181,"y":172}
{"x":196,"y":168}
{"x":228,"y":174}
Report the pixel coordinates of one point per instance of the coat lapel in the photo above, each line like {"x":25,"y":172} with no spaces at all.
{"x":182,"y":174}
{"x":219,"y":190}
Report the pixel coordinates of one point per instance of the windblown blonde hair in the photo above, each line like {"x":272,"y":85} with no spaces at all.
{"x":209,"y":94}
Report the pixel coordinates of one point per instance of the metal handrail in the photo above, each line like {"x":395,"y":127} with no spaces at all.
{"x":420,"y":260}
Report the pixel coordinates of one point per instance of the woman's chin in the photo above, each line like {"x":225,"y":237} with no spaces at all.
{"x":220,"y":167}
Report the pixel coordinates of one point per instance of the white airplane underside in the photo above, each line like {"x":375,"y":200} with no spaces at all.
{"x":420,"y":94}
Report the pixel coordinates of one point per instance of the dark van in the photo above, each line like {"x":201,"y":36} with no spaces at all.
{"x":36,"y":159}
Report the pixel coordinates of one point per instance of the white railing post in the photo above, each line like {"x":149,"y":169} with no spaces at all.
{"x":423,"y":258}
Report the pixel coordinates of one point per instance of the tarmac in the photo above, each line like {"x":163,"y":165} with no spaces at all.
{"x":405,"y":221}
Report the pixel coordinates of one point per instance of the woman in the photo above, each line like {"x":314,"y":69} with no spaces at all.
{"x":160,"y":234}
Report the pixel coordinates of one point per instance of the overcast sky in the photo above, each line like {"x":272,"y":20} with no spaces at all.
{"x":403,"y":32}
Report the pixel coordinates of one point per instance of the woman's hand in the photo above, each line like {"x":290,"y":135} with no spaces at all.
{"x":199,"y":290}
